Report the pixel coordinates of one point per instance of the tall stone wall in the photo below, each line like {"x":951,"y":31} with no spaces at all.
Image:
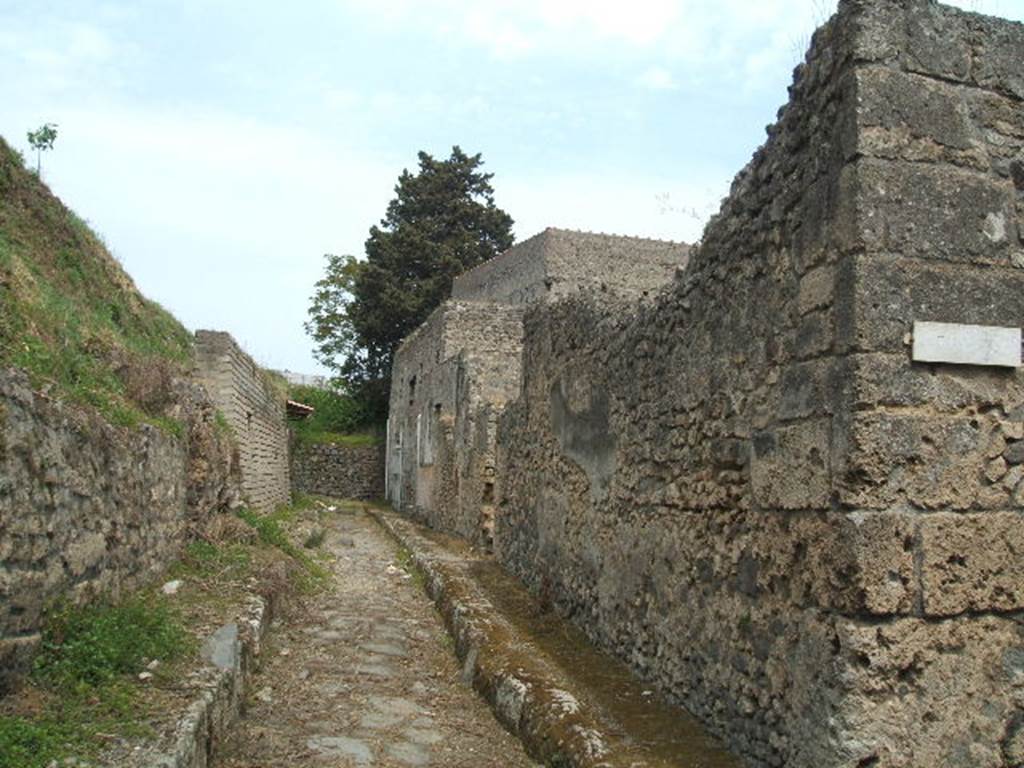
{"x":746,"y":488}
{"x":447,"y":380}
{"x":88,"y":509}
{"x":338,"y":470}
{"x":255,"y":412}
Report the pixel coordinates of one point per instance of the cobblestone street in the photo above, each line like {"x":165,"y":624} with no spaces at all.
{"x":363,"y":675}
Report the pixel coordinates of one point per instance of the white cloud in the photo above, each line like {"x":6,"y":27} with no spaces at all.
{"x":657,"y":79}
{"x":222,"y":219}
{"x":740,"y":35}
{"x":663,"y":208}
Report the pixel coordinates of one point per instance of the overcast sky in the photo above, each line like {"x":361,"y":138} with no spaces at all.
{"x":222,"y":148}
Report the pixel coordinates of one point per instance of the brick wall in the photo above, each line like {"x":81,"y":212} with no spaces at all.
{"x":256,"y":413}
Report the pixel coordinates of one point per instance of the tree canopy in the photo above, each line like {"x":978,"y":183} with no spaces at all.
{"x":441,"y":222}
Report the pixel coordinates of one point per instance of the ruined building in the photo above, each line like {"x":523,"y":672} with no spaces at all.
{"x":453,"y":376}
{"x":756,"y":486}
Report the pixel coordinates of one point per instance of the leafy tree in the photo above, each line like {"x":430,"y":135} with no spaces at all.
{"x":441,"y":222}
{"x":42,"y":140}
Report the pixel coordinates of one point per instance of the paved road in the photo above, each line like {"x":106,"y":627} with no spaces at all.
{"x":364,"y":675}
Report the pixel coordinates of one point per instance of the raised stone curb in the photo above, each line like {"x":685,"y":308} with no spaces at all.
{"x":558,"y":717}
{"x":230,"y":655}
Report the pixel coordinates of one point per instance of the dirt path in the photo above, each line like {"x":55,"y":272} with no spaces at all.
{"x":364,"y":675}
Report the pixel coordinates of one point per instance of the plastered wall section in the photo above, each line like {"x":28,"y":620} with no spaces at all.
{"x":558,"y":263}
{"x":255,"y":412}
{"x":746,"y":488}
{"x":461,"y":365}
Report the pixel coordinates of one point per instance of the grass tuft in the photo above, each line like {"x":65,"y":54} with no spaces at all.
{"x":271,"y":532}
{"x":84,"y":676}
{"x":86,"y":648}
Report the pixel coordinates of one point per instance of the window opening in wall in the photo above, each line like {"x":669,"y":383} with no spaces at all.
{"x":412,"y":390}
{"x":488,"y":492}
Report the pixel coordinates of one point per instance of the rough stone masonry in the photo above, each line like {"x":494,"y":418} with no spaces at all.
{"x":745,"y":486}
{"x":453,"y":376}
{"x":88,"y":509}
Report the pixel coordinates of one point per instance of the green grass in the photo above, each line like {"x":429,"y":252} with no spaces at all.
{"x":337,"y":418}
{"x":407,"y":563}
{"x":85,"y":673}
{"x":315,"y":538}
{"x":204,"y":559}
{"x":271,"y":531}
{"x":307,"y":436}
{"x":72,"y":317}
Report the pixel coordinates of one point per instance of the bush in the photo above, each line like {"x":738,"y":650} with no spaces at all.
{"x":335,"y":411}
{"x":92,"y":646}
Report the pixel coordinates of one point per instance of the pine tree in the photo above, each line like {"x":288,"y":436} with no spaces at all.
{"x":442,"y":221}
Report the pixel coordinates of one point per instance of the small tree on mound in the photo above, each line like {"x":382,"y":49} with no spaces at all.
{"x":42,"y":140}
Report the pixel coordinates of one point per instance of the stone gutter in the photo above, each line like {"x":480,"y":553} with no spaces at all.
{"x":569,"y":704}
{"x":230,"y":655}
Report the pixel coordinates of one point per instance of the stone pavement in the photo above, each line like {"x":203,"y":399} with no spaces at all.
{"x":363,"y":674}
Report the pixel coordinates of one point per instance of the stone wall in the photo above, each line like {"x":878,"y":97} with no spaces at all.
{"x":452,"y":377}
{"x":557,"y":263}
{"x":446,"y":377}
{"x":87,"y":508}
{"x":746,"y":488}
{"x":341,"y":471}
{"x":255,"y":412}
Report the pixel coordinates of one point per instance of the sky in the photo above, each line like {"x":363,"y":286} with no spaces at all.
{"x":222,"y":147}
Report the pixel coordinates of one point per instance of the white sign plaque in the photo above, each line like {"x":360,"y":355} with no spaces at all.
{"x":967,"y":344}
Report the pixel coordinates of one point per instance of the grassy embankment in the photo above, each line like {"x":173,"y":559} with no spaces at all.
{"x":72,"y":317}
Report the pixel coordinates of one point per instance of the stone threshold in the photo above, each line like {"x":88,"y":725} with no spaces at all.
{"x":570,"y":704}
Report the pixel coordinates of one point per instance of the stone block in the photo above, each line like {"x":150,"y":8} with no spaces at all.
{"x":790,"y":467}
{"x":912,"y":107}
{"x":816,"y":289}
{"x":892,"y":380}
{"x":812,"y":388}
{"x":919,"y":692}
{"x":972,"y":562}
{"x":998,"y":56}
{"x":858,"y":563}
{"x":936,"y":212}
{"x":926,"y":460}
{"x":814,"y":335}
{"x":936,"y":43}
{"x":884,"y":296}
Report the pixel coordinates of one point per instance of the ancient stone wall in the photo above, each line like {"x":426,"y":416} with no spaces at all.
{"x":338,"y":470}
{"x":255,"y":412}
{"x":462,"y":362}
{"x":452,"y":377}
{"x":558,"y":263}
{"x":746,"y":488}
{"x":88,"y":509}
